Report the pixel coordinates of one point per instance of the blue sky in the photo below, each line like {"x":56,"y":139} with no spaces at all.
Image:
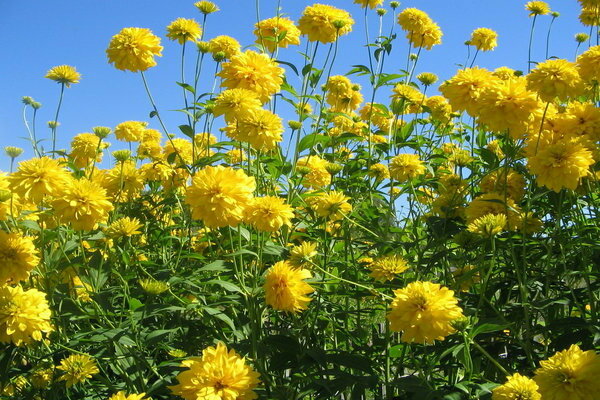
{"x":39,"y":35}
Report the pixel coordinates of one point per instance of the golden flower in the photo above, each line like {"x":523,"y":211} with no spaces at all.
{"x":413,"y":20}
{"x":153,"y":287}
{"x":259,"y":127}
{"x":178,"y":151}
{"x":206,"y":7}
{"x":589,"y":16}
{"x":581,"y":37}
{"x":424,"y":311}
{"x":219,"y":195}
{"x":218,"y":374}
{"x":268,"y":213}
{"x":386,"y":268}
{"x":124,"y":396}
{"x":463,"y":90}
{"x":24,"y":315}
{"x":508,"y":105}
{"x":85,"y":147}
{"x":379,"y":171}
{"x":404,"y":167}
{"x":484,"y":39}
{"x":439,"y":108}
{"x":77,"y":368}
{"x":342,"y":95}
{"x":466,"y":277}
{"x":183,"y":29}
{"x":84,"y":205}
{"x":429,"y":36}
{"x":64,"y":74}
{"x":537,"y":8}
{"x":317,"y":176}
{"x":38,"y":177}
{"x":130,"y":131}
{"x":253,"y":71}
{"x":560,"y":164}
{"x":318,"y":23}
{"x":427,"y":78}
{"x":332,"y":205}
{"x":377,"y":114}
{"x":285,"y":288}
{"x":18,"y":256}
{"x":236,"y":156}
{"x":409,"y":97}
{"x":224,"y":44}
{"x":203,"y":141}
{"x":504,"y":73}
{"x":571,"y":374}
{"x":124,"y":227}
{"x":588,"y":64}
{"x":42,"y":378}
{"x":494,"y":147}
{"x":235,"y":103}
{"x":124,"y":182}
{"x":12,"y":151}
{"x":276,"y":32}
{"x":555,"y":78}
{"x":516,"y":387}
{"x":488,"y":225}
{"x":505,"y":180}
{"x":578,"y":119}
{"x":302,"y":254}
{"x":369,"y":3}
{"x":133,"y":49}
{"x":493,"y":203}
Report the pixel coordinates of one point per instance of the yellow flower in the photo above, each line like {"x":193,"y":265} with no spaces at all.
{"x":269,"y":213}
{"x":124,"y":396}
{"x":560,"y":164}
{"x":408,"y":96}
{"x":578,"y":119}
{"x":413,"y":20}
{"x":484,"y":39}
{"x":588,"y":64}
{"x":218,"y":195}
{"x":555,"y":78}
{"x":259,"y":127}
{"x":317,"y":175}
{"x":424,"y":311}
{"x":24,"y":315}
{"x":404,"y":167}
{"x":589,"y":16}
{"x":224,"y":44}
{"x":570,"y":374}
{"x":218,"y":374}
{"x":342,"y":95}
{"x":183,"y":30}
{"x":377,"y":114}
{"x":77,"y":368}
{"x":38,"y":177}
{"x":130,"y":131}
{"x":429,"y":36}
{"x":319,"y":22}
{"x":302,"y":254}
{"x":427,"y":78}
{"x":18,"y":256}
{"x":285,"y":288}
{"x":369,"y":3}
{"x":236,"y":156}
{"x":124,"y":227}
{"x":332,"y":205}
{"x":504,"y":73}
{"x":488,"y":225}
{"x":133,"y":49}
{"x":42,"y":378}
{"x":178,"y":151}
{"x":465,"y":277}
{"x":508,"y":105}
{"x":494,"y":147}
{"x":124,"y":182}
{"x":387,"y":268}
{"x":85,"y":147}
{"x":439,"y":109}
{"x":84,"y":205}
{"x":153,"y":287}
{"x":505,"y":180}
{"x":206,"y":7}
{"x":492,"y":203}
{"x":253,"y":71}
{"x":235,"y":103}
{"x":64,"y":74}
{"x":537,"y":8}
{"x":463,"y":90}
{"x":276,"y":32}
{"x":379,"y":171}
{"x":516,"y":387}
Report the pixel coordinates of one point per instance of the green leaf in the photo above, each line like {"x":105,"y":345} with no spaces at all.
{"x":311,"y":140}
{"x":187,"y":131}
{"x":289,"y":64}
{"x":230,"y":287}
{"x":186,"y":87}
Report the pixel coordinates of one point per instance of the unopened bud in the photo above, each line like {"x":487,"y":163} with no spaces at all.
{"x":101,"y":131}
{"x":121,"y":155}
{"x":13,"y":152}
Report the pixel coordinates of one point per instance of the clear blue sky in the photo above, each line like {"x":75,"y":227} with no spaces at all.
{"x":41,"y":34}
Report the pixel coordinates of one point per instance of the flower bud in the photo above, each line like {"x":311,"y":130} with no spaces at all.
{"x":13,"y":152}
{"x":394,"y":4}
{"x":53,"y":124}
{"x":121,"y":155}
{"x":101,"y":131}
{"x":206,"y":7}
{"x":295,"y":125}
{"x":381,"y":12}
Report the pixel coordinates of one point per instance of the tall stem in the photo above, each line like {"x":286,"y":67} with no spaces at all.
{"x":55,"y":126}
{"x":530,"y":43}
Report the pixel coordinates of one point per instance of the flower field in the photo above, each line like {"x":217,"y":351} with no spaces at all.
{"x":308,"y":231}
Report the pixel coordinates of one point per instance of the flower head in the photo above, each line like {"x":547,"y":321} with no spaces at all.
{"x":130,"y":131}
{"x":571,"y":374}
{"x":64,"y":74}
{"x":463,"y":90}
{"x":24,"y":315}
{"x":517,"y":387}
{"x":424,"y":311}
{"x":332,"y":205}
{"x":234,"y":104}
{"x":387,"y":268}
{"x":317,"y":175}
{"x":183,"y":30}
{"x":84,"y":205}
{"x":555,"y":78}
{"x":124,"y":227}
{"x":537,"y":8}
{"x":134,"y":49}
{"x":224,"y":44}
{"x":260,"y":127}
{"x":484,"y":39}
{"x":39,"y":177}
{"x":124,"y":396}
{"x":276,"y":32}
{"x":285,"y":288}
{"x":77,"y":368}
{"x":18,"y":256}
{"x":302,"y":254}
{"x":268,"y":213}
{"x":588,"y":64}
{"x":489,"y":225}
{"x":85,"y":148}
{"x":404,"y":167}
{"x":218,"y":374}
{"x":318,"y":22}
{"x":219,"y":195}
